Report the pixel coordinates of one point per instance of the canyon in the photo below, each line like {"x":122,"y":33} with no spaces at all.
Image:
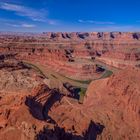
{"x":70,"y":86}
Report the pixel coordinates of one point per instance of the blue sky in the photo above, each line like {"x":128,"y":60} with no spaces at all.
{"x":69,"y":15}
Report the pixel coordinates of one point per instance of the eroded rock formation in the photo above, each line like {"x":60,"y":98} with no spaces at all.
{"x":118,"y":49}
{"x":115,"y":101}
{"x":110,"y":111}
{"x":32,"y":109}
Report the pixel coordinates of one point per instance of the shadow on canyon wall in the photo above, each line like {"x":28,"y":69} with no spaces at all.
{"x":39,"y":107}
{"x":60,"y":134}
{"x":74,"y":91}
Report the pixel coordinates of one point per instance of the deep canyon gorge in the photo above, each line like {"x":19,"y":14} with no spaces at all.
{"x":70,"y":86}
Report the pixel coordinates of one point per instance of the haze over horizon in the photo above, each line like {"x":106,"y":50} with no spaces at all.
{"x":69,"y":15}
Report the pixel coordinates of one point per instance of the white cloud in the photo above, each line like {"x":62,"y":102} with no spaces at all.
{"x":35,"y":15}
{"x":28,"y":25}
{"x":95,"y":22}
{"x":12,"y":25}
{"x":51,"y":22}
{"x":39,"y":15}
{"x":24,"y":25}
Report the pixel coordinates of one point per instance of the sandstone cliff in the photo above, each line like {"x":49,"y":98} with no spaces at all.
{"x":115,"y":102}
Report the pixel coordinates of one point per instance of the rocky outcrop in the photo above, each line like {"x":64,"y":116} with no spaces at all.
{"x":93,"y":35}
{"x":15,"y":76}
{"x":16,"y":82}
{"x":115,"y":102}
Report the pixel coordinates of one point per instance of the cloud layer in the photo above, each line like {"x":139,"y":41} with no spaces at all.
{"x":96,"y":22}
{"x":35,"y":15}
{"x":24,"y":25}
